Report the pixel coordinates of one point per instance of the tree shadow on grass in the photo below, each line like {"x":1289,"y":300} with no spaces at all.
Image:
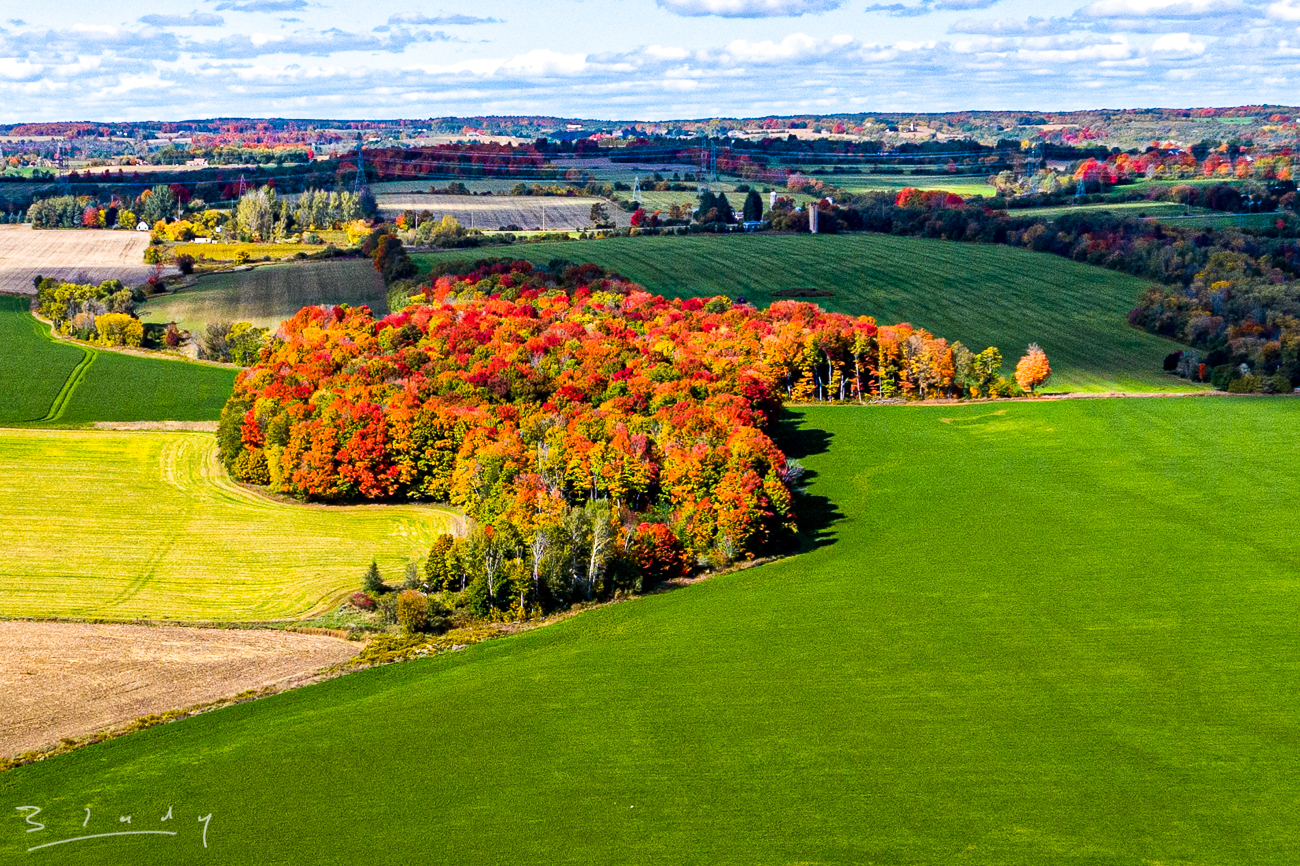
{"x":815,"y":514}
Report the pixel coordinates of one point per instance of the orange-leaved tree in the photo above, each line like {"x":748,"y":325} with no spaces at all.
{"x":1032,"y":370}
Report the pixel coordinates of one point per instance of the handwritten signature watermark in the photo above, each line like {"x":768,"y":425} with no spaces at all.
{"x":125,"y":825}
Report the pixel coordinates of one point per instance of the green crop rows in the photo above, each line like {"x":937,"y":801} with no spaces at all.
{"x":981,"y":295}
{"x":269,"y":294}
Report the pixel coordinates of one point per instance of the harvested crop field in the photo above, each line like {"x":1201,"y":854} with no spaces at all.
{"x":83,"y":256}
{"x":268,"y":295}
{"x":493,"y":212}
{"x":158,"y":530}
{"x":61,"y":679}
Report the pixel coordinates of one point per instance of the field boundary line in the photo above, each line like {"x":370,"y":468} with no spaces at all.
{"x":74,"y":379}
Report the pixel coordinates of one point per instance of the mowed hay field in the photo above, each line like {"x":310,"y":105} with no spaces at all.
{"x":159,"y":530}
{"x":962,"y":185}
{"x":43,"y":380}
{"x":980,"y":295}
{"x":1028,"y":633}
{"x":268,"y":295}
{"x":491,"y":212}
{"x":83,"y":256}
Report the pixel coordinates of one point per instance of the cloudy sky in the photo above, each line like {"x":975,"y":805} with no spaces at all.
{"x":637,"y":59}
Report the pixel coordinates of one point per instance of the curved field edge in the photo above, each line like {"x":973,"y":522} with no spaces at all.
{"x":982,"y":295}
{"x":1017,"y":639}
{"x":34,"y":370}
{"x":159,"y":531}
{"x":44,"y":380}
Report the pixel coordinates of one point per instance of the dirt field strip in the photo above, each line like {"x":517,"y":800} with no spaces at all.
{"x":491,"y":212}
{"x":83,"y":256}
{"x":70,"y":679}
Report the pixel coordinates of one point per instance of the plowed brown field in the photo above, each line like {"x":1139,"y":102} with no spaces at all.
{"x":492,"y":212}
{"x":70,"y":679}
{"x":78,"y":255}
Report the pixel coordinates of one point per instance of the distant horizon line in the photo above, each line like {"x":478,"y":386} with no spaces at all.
{"x":673,"y":120}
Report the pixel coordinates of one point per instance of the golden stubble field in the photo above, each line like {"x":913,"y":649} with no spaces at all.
{"x":77,"y":255}
{"x":125,"y":524}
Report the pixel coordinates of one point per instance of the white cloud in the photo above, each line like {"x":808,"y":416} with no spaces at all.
{"x":660,"y":52}
{"x":311,"y":43}
{"x":795,"y":47}
{"x":749,"y":8}
{"x":1013,"y":27}
{"x":1285,"y":10}
{"x":20,"y":70}
{"x":538,"y":63}
{"x":542,"y":61}
{"x":1179,"y":44}
{"x":1162,"y":9}
{"x":439,"y":20}
{"x":189,"y":19}
{"x":962,"y":5}
{"x":269,"y":6}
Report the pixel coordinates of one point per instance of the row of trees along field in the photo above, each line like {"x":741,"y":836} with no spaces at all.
{"x":260,"y":215}
{"x":1232,"y":293}
{"x":105,"y":314}
{"x":597,"y":435}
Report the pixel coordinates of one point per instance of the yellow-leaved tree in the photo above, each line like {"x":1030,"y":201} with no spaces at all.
{"x":119,"y":329}
{"x":1032,"y":370}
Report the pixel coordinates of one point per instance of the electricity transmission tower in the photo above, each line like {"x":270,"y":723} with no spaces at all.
{"x":360,"y":182}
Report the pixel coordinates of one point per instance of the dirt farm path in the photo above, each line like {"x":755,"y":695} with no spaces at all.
{"x":71,"y":679}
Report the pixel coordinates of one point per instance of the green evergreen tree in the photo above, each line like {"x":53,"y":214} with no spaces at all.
{"x":725,"y":213}
{"x":707,"y":204}
{"x":753,"y":208}
{"x":437,"y":569}
{"x":373,"y":583}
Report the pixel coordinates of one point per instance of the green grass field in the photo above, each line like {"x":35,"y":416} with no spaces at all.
{"x":1210,"y":219}
{"x":269,"y":294}
{"x":1030,"y":633}
{"x":68,"y":384}
{"x":981,"y":295}
{"x":33,"y":368}
{"x":159,"y":530}
{"x":962,"y":186}
{"x":1126,"y":209}
{"x":1170,"y":213}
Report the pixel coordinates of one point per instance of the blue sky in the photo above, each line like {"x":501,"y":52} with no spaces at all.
{"x":637,"y":59}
